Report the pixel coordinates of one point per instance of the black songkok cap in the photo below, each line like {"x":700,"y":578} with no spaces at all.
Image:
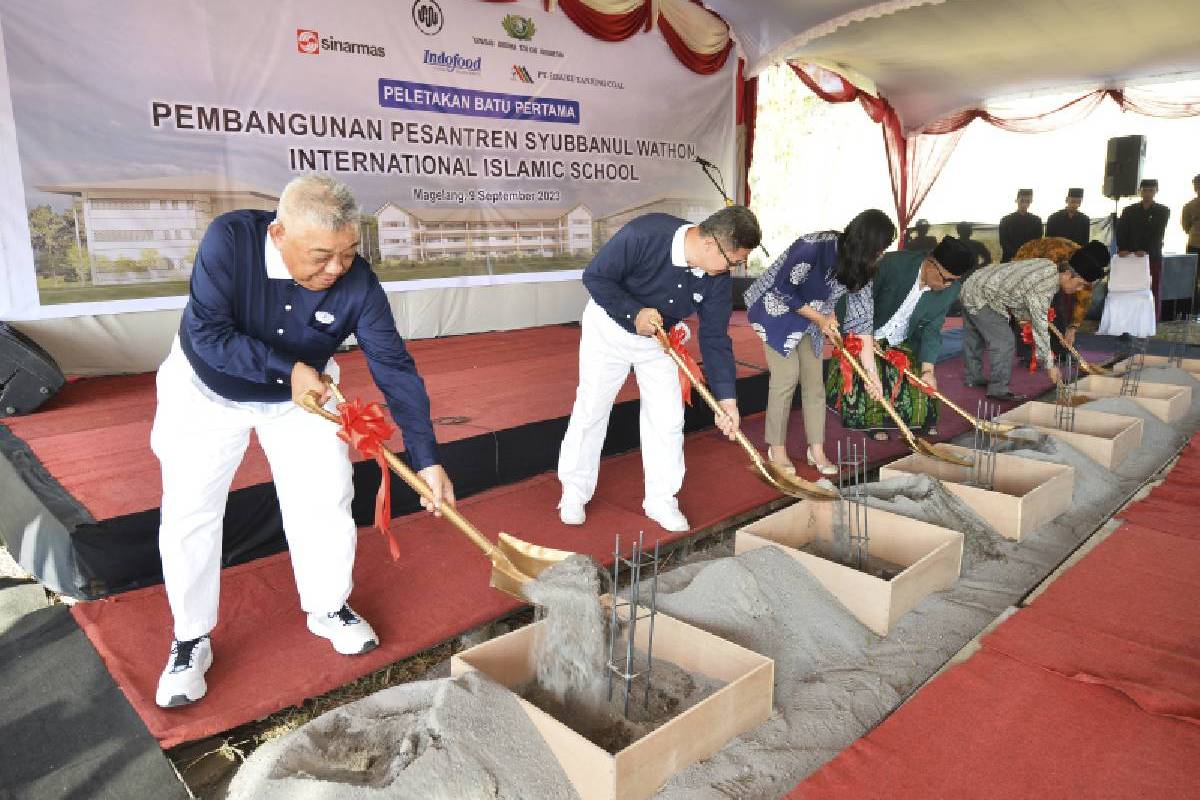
{"x":954,"y":256}
{"x":1024,"y":193}
{"x":1075,"y":193}
{"x":1149,"y":183}
{"x":1090,"y":260}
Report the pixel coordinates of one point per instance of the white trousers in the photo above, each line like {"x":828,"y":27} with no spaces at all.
{"x":200,"y":439}
{"x":606,"y":353}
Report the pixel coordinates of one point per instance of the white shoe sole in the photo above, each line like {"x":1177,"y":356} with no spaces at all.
{"x":187,"y":693}
{"x":346,"y":648}
{"x":572,"y":519}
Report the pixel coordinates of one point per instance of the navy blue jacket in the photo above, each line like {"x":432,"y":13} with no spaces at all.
{"x":633,"y":270}
{"x":242,"y":332}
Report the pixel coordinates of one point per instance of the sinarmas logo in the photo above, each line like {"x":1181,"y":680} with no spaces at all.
{"x":308,"y":42}
{"x":311,"y":43}
{"x":518,"y":27}
{"x":427,"y":16}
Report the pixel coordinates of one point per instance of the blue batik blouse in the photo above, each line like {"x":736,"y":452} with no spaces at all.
{"x":804,"y":276}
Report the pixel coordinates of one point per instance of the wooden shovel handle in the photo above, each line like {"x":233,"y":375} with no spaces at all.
{"x":312,"y":402}
{"x":905,"y":431}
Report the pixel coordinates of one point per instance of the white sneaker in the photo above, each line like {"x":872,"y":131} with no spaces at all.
{"x":571,"y":512}
{"x":667,"y":515}
{"x":350,"y":634}
{"x":182,"y":681}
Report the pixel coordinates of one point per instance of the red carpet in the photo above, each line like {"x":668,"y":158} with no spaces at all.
{"x":994,"y":727}
{"x":1091,"y":691}
{"x":94,"y":436}
{"x":265,"y":657}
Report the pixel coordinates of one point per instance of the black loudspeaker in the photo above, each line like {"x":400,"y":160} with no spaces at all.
{"x":1123,"y":166}
{"x":28,"y":375}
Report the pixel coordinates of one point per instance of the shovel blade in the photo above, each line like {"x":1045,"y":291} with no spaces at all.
{"x":529,"y":559}
{"x":792,"y":485}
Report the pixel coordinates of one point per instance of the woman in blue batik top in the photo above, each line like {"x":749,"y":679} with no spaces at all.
{"x":791,"y":307}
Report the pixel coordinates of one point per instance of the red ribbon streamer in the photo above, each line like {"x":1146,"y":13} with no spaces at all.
{"x":366,"y":429}
{"x":677,"y":338}
{"x":1027,"y":338}
{"x":853,"y":345}
{"x":899,"y":360}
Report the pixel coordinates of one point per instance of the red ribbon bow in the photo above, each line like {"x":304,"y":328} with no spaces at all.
{"x":899,"y":360}
{"x":677,"y":338}
{"x":853,"y":345}
{"x":366,"y":429}
{"x":1027,"y":338}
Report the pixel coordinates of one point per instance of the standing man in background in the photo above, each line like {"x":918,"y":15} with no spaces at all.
{"x":1141,"y":229}
{"x":1069,"y":222}
{"x":1191,"y":218}
{"x":1019,"y":227}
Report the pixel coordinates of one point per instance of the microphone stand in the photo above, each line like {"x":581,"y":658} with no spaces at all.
{"x":704,"y":165}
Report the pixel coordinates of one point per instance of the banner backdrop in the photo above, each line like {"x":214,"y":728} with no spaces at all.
{"x":485,"y":142}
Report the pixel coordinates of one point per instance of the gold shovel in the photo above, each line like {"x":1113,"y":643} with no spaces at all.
{"x":917,"y":444}
{"x":1091,"y":369}
{"x":783,"y":482}
{"x":514,"y":562}
{"x":987,"y":426}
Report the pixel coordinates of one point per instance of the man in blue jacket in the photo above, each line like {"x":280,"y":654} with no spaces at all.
{"x":271,"y":298}
{"x":656,"y":271}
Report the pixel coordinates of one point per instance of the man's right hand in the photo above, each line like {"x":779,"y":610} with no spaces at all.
{"x":1122,"y":253}
{"x":305,"y":379}
{"x":1055,"y":375}
{"x":647,"y":321}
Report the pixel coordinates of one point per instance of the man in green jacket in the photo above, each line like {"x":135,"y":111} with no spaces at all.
{"x":912,"y":293}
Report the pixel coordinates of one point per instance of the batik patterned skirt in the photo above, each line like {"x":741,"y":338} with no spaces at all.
{"x":859,"y":412}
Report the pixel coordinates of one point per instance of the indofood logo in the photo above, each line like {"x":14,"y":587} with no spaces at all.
{"x":521,"y":74}
{"x":453,"y":62}
{"x":311,"y":43}
{"x":518,"y":27}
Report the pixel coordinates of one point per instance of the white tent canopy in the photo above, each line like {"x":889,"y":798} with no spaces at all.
{"x":932,"y":58}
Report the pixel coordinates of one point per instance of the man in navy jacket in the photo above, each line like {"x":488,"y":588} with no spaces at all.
{"x":656,"y":271}
{"x":271,"y":298}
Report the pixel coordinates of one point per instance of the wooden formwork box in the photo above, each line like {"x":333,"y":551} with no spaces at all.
{"x":640,"y":769}
{"x":1025,"y":493}
{"x":1190,"y":365}
{"x":1105,"y":438}
{"x":930,"y":556}
{"x":1166,"y":401}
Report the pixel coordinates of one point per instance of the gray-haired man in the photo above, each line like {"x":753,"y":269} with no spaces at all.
{"x":271,"y":297}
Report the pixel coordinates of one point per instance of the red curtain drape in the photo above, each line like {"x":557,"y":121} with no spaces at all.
{"x":915,"y":160}
{"x":747,"y":117}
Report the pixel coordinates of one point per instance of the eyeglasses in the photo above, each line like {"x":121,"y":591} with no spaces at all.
{"x":732,"y":264}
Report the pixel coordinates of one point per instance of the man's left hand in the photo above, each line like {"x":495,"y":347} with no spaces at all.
{"x":930,"y":379}
{"x":729,"y":421}
{"x":439,"y":483}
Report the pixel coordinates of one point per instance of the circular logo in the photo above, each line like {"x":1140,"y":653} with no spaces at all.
{"x":427,"y":16}
{"x":308,"y":41}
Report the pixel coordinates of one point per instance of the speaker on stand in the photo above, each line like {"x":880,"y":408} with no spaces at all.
{"x":1123,"y":169}
{"x":28,"y":374}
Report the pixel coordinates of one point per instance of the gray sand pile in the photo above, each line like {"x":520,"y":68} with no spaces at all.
{"x":765,"y":601}
{"x":1093,"y":482}
{"x":673,"y":690}
{"x":1158,"y":438}
{"x":1171,"y":375}
{"x":923,"y":497}
{"x":454,"y":739}
{"x":570,"y":651}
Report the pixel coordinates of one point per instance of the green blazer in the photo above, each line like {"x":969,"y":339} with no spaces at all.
{"x":895,"y":278}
